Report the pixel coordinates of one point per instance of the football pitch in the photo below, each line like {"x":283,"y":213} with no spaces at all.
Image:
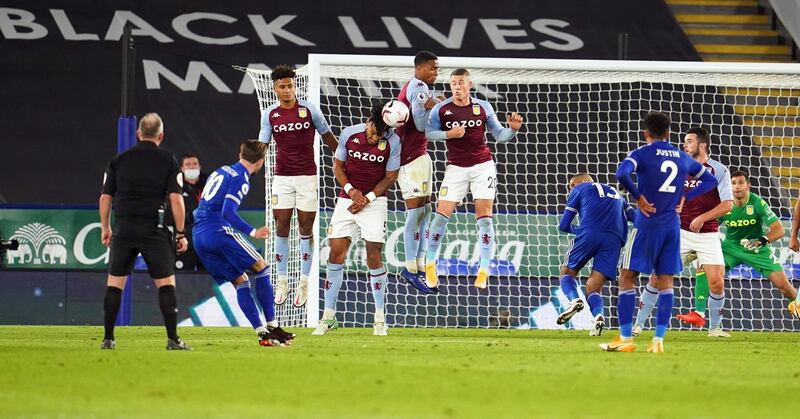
{"x":61,"y":372}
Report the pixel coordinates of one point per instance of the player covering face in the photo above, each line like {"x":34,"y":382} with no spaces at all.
{"x":366,"y":164}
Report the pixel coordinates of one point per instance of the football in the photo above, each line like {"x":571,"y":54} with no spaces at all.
{"x":395,"y":113}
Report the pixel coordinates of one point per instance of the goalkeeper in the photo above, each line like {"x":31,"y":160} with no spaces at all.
{"x":746,"y":243}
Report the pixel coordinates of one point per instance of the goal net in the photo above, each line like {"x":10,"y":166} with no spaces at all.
{"x":580,"y":116}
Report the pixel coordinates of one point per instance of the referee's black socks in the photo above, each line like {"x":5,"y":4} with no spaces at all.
{"x":111,"y":307}
{"x":169,"y":309}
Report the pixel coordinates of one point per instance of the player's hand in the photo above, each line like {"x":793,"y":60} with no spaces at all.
{"x":261,"y":233}
{"x":440,"y":98}
{"x":696,"y":224}
{"x":358,"y":197}
{"x":514,"y":121}
{"x":181,"y":245}
{"x":679,"y":207}
{"x":355,"y":208}
{"x":794,"y":244}
{"x":456,"y":132}
{"x":105,"y":236}
{"x":645,"y":206}
{"x":430,"y":103}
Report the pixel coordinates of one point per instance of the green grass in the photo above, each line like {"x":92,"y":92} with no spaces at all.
{"x":60,"y":371}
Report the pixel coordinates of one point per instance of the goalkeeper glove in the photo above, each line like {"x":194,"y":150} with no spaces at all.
{"x":754,"y":244}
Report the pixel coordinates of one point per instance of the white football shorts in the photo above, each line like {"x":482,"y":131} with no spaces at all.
{"x":707,"y":246}
{"x":415,"y":178}
{"x":299,"y":192}
{"x":480,"y":180}
{"x":369,"y":223}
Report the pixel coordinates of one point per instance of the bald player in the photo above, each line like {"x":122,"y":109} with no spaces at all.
{"x":604,"y":216}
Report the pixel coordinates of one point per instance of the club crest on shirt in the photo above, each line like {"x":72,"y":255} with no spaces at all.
{"x":749,"y":210}
{"x":443,"y":191}
{"x":424,"y":186}
{"x":302,"y":112}
{"x":476,"y":109}
{"x":274,"y":199}
{"x":382,"y":145}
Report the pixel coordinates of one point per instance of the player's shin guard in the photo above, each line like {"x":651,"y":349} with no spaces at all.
{"x":486,"y":241}
{"x":282,"y":255}
{"x":664,"y":313}
{"x":265,"y":295}
{"x":111,"y":303}
{"x":168,"y":304}
{"x":306,"y":255}
{"x":377,"y":278}
{"x":333,"y":282}
{"x":647,"y":301}
{"x":595,"y":304}
{"x":569,"y":286}
{"x":437,"y":229}
{"x":411,"y":237}
{"x":248,"y":305}
{"x":701,"y":293}
{"x":716,"y":304}
{"x":423,"y":236}
{"x":625,"y":304}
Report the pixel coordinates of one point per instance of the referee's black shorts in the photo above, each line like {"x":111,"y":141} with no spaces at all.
{"x":155,"y":245}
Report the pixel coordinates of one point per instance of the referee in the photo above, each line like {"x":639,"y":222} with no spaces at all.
{"x":137,"y":181}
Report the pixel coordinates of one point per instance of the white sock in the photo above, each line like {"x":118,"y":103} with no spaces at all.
{"x":411,"y":265}
{"x":273,"y":323}
{"x":647,"y":301}
{"x":261,"y":329}
{"x":421,"y":267}
{"x":328,"y":314}
{"x":379,"y":316}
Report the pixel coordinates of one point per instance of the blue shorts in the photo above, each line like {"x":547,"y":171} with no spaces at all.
{"x":604,"y":248}
{"x":225,"y":253}
{"x":655,"y":249}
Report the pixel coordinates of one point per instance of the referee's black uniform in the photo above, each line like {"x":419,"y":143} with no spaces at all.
{"x":139,"y":180}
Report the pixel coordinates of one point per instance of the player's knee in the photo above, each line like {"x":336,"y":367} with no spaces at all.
{"x":337,"y":256}
{"x":374,"y":257}
{"x":240,"y":281}
{"x":258,"y":266}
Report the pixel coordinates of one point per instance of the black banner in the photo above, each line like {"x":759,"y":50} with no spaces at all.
{"x":61,"y":63}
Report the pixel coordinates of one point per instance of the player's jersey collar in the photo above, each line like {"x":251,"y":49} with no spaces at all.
{"x":296,"y":104}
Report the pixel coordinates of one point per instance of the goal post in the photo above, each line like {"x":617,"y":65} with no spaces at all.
{"x":580,"y":116}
